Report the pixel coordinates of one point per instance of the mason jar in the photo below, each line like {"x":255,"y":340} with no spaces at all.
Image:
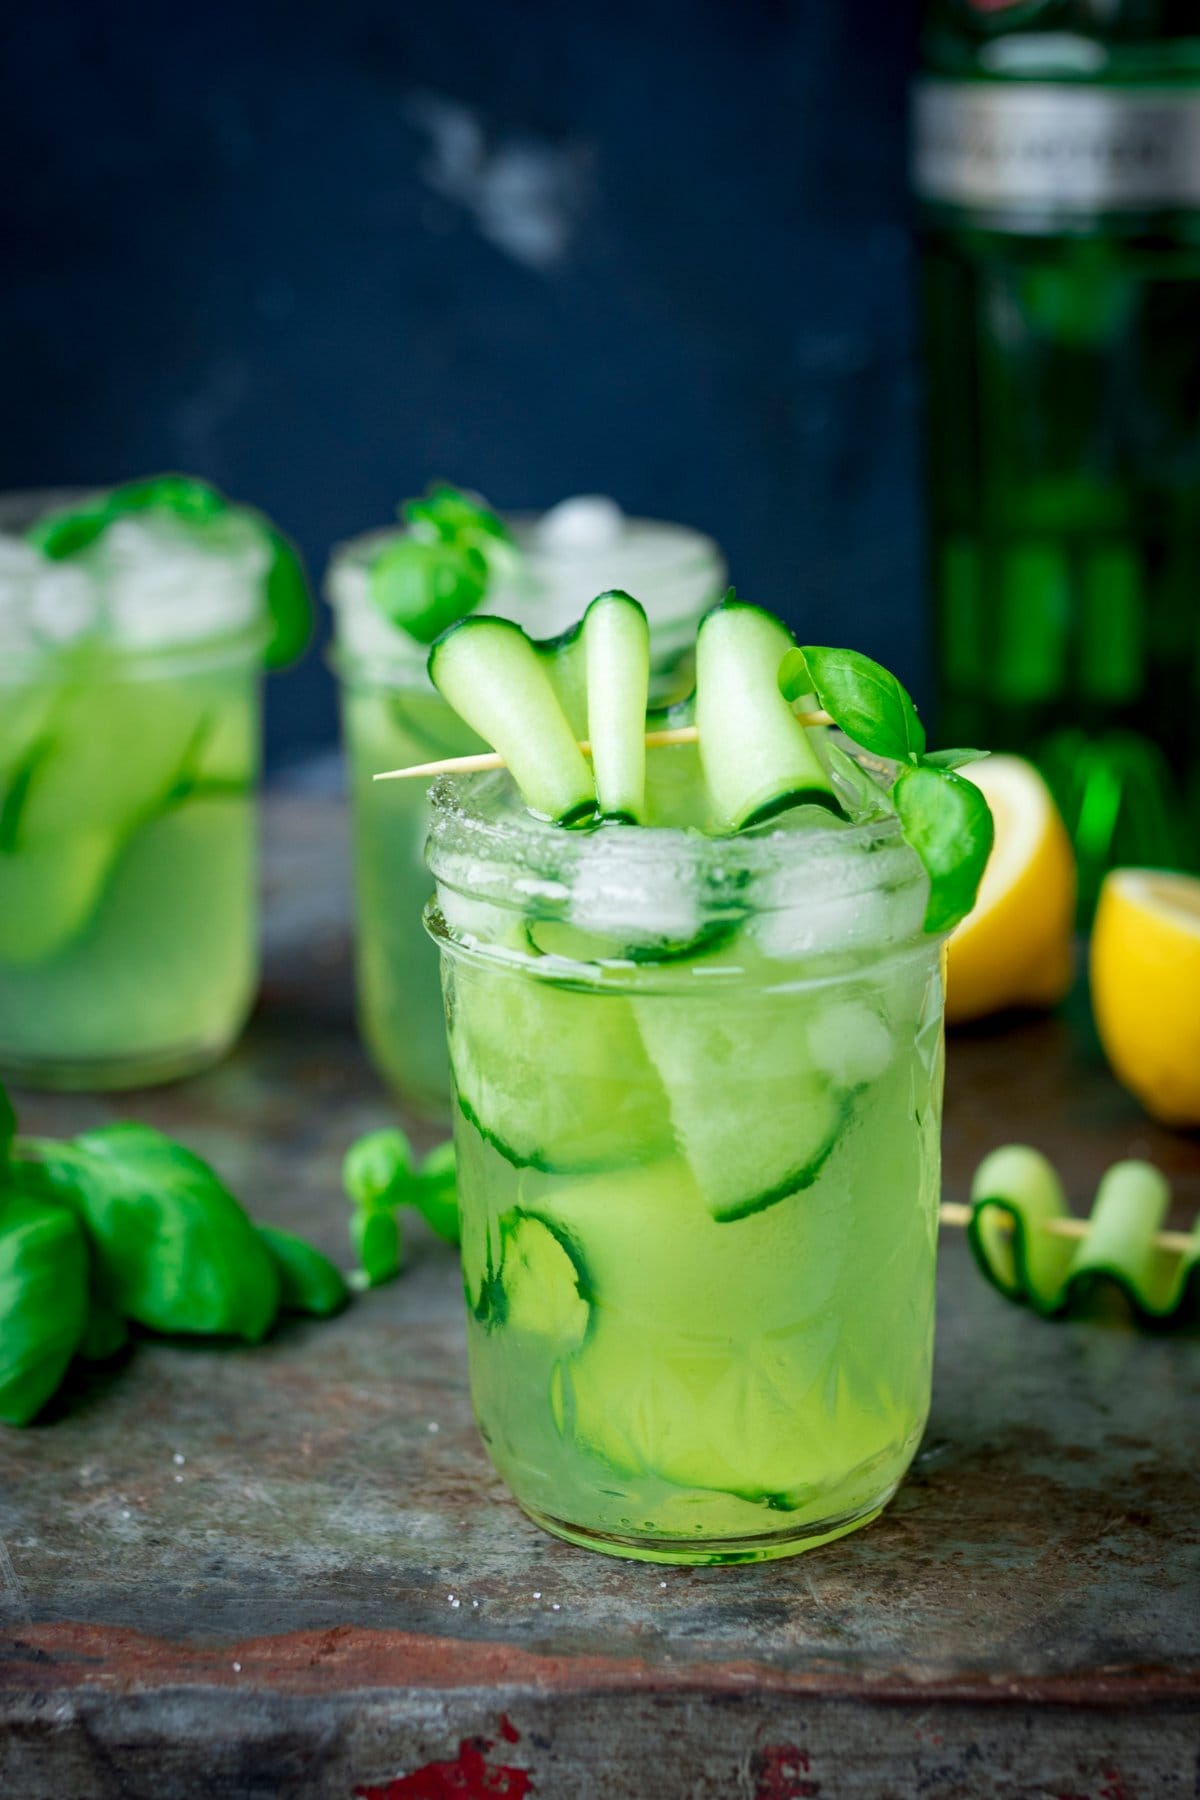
{"x":393,"y":717}
{"x":129,"y":756}
{"x":698,"y":1096}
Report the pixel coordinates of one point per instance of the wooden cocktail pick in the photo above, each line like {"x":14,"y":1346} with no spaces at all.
{"x":489,"y":759}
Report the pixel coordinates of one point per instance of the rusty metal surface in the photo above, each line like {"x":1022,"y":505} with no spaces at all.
{"x":331,"y":1586}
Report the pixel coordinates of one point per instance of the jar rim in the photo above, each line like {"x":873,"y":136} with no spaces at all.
{"x":857,"y":887}
{"x":675,"y":594}
{"x":190,"y":597}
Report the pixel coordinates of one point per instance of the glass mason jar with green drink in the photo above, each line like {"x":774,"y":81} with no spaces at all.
{"x":134,"y":624}
{"x":1057,"y":159}
{"x":392,"y":592}
{"x":693,"y":999}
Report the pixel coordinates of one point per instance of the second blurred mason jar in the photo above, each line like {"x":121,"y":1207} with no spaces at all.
{"x":131,"y":651}
{"x":393,"y":717}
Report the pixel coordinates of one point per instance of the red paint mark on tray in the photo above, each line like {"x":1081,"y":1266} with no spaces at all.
{"x":781,"y":1772}
{"x":468,"y":1777}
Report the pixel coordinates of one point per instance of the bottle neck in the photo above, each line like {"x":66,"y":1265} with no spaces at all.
{"x":1090,"y":41}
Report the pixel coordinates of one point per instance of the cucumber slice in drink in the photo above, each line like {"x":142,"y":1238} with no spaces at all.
{"x":757,"y":758}
{"x":565,"y":662}
{"x":700,"y":1382}
{"x":616,"y":640}
{"x":540,"y":1286}
{"x":49,"y":892}
{"x":493,"y":677}
{"x":110,"y":754}
{"x":750,"y":1112}
{"x":549,"y":1080}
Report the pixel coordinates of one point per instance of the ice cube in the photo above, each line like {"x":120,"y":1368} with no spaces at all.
{"x":849,"y":1041}
{"x":40,"y":601}
{"x":843,"y":898}
{"x":585,"y":522}
{"x":166,"y":581}
{"x":652,"y":898}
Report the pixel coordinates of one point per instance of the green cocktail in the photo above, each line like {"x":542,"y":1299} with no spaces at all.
{"x":699,"y":1086}
{"x":393,"y":717}
{"x":129,"y":752}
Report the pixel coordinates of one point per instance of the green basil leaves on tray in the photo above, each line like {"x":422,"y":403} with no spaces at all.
{"x":379,"y":1178}
{"x":122,"y":1226}
{"x":43,"y":1300}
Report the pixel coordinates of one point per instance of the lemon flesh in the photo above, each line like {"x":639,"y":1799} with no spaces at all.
{"x":1145,"y":980}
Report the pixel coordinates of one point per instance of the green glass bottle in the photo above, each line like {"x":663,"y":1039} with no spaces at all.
{"x":1057,"y":165}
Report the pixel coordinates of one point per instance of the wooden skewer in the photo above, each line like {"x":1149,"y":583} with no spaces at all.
{"x":490,"y":759}
{"x":953,"y":1212}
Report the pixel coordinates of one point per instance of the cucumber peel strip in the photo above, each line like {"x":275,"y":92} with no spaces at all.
{"x":1017,"y":1193}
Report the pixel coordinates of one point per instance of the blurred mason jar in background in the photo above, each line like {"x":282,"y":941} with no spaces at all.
{"x":393,"y":717}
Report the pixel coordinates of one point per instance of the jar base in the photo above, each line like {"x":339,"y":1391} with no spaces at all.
{"x":107,"y":1074}
{"x":769,"y":1547}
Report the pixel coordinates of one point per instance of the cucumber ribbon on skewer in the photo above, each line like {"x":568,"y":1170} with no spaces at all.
{"x":1029,"y":1246}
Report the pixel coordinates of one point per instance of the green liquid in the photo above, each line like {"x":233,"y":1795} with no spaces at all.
{"x":127,"y":870}
{"x":671,"y":1359}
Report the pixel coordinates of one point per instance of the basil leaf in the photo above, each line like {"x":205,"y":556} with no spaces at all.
{"x":377,"y":1170}
{"x":308,"y":1281}
{"x":435,"y":1192}
{"x":425,"y":587}
{"x":949,"y":825}
{"x":173,"y":1249}
{"x":861,"y":697}
{"x":70,"y":529}
{"x":952,"y":759}
{"x":375,"y":1236}
{"x":43,"y":1300}
{"x":456,"y":517}
{"x":187,"y":496}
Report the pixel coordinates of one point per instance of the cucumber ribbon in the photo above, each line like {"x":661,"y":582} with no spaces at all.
{"x":70,"y":530}
{"x":1017,"y":1196}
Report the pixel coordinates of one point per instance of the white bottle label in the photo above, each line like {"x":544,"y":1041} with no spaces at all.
{"x":1055,"y":149}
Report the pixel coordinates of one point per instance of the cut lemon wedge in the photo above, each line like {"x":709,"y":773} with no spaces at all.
{"x":1014,"y":946}
{"x":1145,"y":975}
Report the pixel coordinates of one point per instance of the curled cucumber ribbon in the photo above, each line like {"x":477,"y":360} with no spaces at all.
{"x":1017,"y":1197}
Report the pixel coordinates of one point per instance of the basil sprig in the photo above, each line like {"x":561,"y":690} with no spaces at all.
{"x":945,"y":819}
{"x":123,"y":1226}
{"x":379,"y":1178}
{"x":439,"y":570}
{"x":69,"y":530}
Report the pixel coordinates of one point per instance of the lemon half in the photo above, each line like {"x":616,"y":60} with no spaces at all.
{"x":1145,"y":976}
{"x":1014,"y":947}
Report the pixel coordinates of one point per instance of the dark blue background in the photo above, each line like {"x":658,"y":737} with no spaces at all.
{"x":318,"y":253}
